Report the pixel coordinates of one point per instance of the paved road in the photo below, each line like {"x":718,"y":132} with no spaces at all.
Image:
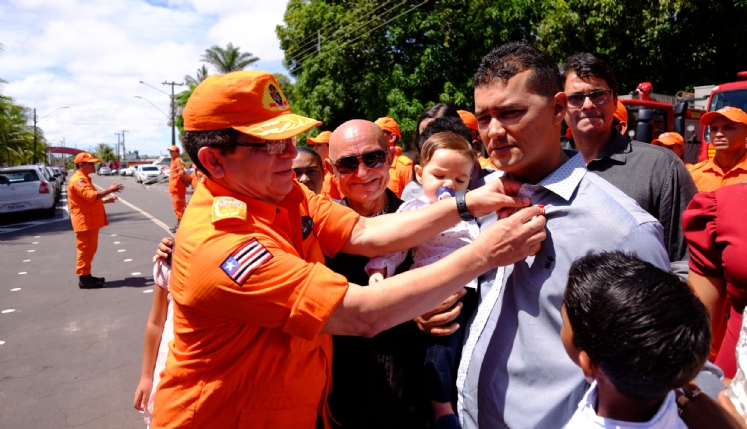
{"x":71,"y":357}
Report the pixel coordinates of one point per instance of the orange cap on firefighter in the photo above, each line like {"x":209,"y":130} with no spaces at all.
{"x":388,"y":124}
{"x":469,"y":119}
{"x":85,"y":157}
{"x":322,"y":138}
{"x":621,"y":113}
{"x":174,"y":147}
{"x":731,"y":113}
{"x":669,"y":139}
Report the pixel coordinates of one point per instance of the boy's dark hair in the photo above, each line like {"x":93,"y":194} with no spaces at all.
{"x":225,"y":139}
{"x":314,"y":154}
{"x":586,"y":65}
{"x":642,"y":326}
{"x":438,"y":110}
{"x":510,"y":59}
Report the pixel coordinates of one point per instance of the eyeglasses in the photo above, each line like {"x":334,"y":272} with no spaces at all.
{"x":349,"y":164}
{"x":273,"y":147}
{"x":602,"y":96}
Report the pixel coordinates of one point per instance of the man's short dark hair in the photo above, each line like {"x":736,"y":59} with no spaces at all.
{"x":586,"y":65}
{"x":314,"y":154}
{"x":510,"y":59}
{"x":225,"y":139}
{"x":642,"y":326}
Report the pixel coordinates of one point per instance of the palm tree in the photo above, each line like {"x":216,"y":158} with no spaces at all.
{"x":202,"y":74}
{"x":104,"y":152}
{"x":16,"y":135}
{"x":228,"y":60}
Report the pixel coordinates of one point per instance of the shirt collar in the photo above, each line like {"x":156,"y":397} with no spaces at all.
{"x":618,"y":147}
{"x":712,"y":166}
{"x":566,"y":178}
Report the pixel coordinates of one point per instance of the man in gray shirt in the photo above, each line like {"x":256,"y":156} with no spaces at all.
{"x":653,"y":176}
{"x":514,"y":370}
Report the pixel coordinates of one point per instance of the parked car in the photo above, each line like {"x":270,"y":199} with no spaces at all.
{"x":129,"y":171}
{"x":59,"y":173}
{"x":25,"y":188}
{"x":55,"y":182}
{"x":104,"y":171}
{"x":146,"y":173}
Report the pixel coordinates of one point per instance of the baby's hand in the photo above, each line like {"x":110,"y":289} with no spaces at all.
{"x":375,"y":278}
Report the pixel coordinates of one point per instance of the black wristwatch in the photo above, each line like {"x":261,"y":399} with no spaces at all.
{"x":462,"y":206}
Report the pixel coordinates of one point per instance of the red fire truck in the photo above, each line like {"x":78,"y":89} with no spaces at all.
{"x":650,"y":114}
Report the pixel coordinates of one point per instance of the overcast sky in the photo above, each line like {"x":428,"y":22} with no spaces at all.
{"x":91,"y":54}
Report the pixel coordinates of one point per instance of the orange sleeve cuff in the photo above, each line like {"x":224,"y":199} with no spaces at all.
{"x":316,"y":302}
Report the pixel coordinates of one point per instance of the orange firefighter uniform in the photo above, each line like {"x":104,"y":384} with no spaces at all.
{"x":178,"y":186}
{"x":251,"y":295}
{"x":88,"y":216}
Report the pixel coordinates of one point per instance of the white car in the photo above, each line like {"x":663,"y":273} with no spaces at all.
{"x":25,"y":188}
{"x":105,"y":171}
{"x":147,"y":173}
{"x":129,"y":171}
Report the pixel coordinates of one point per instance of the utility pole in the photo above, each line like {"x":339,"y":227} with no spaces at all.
{"x":124,"y":156}
{"x":173,"y":111}
{"x":118,"y":143}
{"x":34,"y":135}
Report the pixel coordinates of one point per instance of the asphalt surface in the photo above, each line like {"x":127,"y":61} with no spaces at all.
{"x":71,"y":357}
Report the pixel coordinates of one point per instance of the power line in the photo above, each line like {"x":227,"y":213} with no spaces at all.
{"x":298,"y":54}
{"x":364,"y":34}
{"x":374,"y":19}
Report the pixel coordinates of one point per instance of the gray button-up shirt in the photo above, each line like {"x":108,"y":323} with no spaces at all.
{"x":515,"y":372}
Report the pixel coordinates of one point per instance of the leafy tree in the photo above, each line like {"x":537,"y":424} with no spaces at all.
{"x":17,"y":136}
{"x":397,"y":58}
{"x":202,"y":74}
{"x":104,"y":152}
{"x":228,"y":60}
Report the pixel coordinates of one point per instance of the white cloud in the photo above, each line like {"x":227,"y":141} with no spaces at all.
{"x":90,"y":56}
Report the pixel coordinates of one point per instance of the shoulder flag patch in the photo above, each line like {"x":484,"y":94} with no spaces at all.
{"x":245,"y":260}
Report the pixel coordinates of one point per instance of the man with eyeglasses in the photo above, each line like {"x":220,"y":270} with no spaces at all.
{"x":253,"y":303}
{"x":653,"y":176}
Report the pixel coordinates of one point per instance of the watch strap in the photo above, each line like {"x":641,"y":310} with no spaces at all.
{"x":461,"y":203}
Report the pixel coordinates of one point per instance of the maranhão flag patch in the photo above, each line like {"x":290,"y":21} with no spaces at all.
{"x":245,"y":260}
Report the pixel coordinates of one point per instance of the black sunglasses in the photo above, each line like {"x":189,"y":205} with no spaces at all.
{"x":602,"y":96}
{"x":350,"y":164}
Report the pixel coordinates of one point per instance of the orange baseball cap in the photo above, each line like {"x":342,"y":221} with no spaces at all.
{"x":621,"y":113}
{"x":322,"y":138}
{"x":247,"y":101}
{"x":469,"y":119}
{"x":731,"y":113}
{"x":85,"y":157}
{"x":388,"y":124}
{"x":174,"y":147}
{"x":669,"y":139}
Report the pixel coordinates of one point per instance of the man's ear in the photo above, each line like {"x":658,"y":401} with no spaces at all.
{"x":560,"y":105}
{"x":210,"y":159}
{"x":419,"y":173}
{"x":329,"y":167}
{"x":590,"y":369}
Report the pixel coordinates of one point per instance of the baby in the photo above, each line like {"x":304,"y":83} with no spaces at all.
{"x":637,"y":332}
{"x":446,"y":164}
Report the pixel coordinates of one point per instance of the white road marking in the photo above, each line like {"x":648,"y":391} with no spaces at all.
{"x":29,"y":251}
{"x":2,"y":342}
{"x":145,"y":291}
{"x":116,"y":242}
{"x":10,"y":310}
{"x":22,"y":273}
{"x":128,"y":260}
{"x":136,"y":273}
{"x":27,"y":260}
{"x":37,"y":236}
{"x":15,"y":289}
{"x":144,"y":213}
{"x":35,"y":242}
{"x":121,"y":250}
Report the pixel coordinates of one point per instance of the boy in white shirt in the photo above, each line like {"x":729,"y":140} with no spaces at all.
{"x":637,"y":332}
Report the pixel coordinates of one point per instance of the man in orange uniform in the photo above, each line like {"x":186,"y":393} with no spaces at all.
{"x":178,"y":181}
{"x":400,"y":172}
{"x":88,"y":216}
{"x":672,"y":141}
{"x":728,"y":131}
{"x":253,"y":302}
{"x":330,"y":187}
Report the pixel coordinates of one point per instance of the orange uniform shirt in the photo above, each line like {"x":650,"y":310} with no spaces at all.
{"x":330,"y":188}
{"x":400,"y":172}
{"x":251,"y":295}
{"x":709,"y":176}
{"x":86,"y":212}
{"x":176,"y":184}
